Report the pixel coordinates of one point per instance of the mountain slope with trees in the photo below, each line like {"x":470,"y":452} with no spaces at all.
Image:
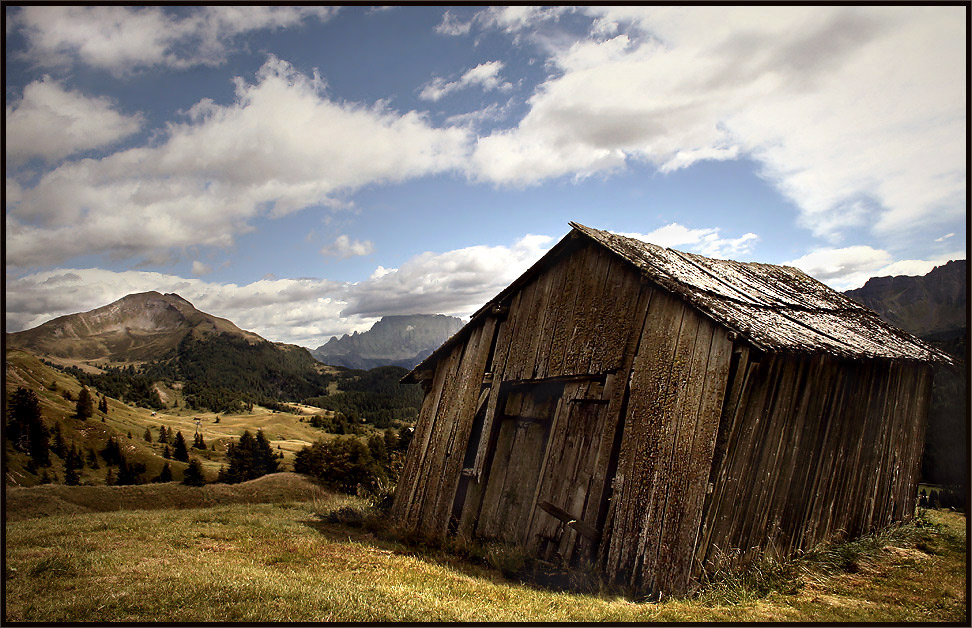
{"x":127,"y":347}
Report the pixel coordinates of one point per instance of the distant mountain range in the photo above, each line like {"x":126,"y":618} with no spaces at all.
{"x":393,"y":341}
{"x":932,"y":306}
{"x":136,"y":328}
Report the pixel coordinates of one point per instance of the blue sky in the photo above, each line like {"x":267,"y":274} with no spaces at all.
{"x":303,"y":171}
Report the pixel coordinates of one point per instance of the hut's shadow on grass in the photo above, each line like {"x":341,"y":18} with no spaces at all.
{"x":494,"y":562}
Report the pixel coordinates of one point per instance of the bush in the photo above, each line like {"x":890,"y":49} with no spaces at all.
{"x":344,"y":463}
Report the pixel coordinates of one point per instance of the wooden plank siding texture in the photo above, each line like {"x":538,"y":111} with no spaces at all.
{"x":596,"y":417}
{"x":816,"y":449}
{"x":677,"y":386}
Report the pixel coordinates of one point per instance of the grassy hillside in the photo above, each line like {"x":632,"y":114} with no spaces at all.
{"x":288,"y":432}
{"x":56,"y":499}
{"x":298,"y":562}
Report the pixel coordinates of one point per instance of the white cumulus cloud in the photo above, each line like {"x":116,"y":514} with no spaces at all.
{"x":52,"y":122}
{"x":455,"y":282}
{"x":344,"y":247}
{"x":485,"y":75}
{"x":280,"y":147}
{"x":857,"y":114}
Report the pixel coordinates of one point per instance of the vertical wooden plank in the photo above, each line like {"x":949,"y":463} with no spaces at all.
{"x":743,"y":470}
{"x":572,"y":301}
{"x":444,"y":372}
{"x":507,"y":330}
{"x":592,"y":318}
{"x":643,"y":442}
{"x":616,"y":392}
{"x":428,"y":493}
{"x":730,"y":425}
{"x":667,"y":573}
{"x":466,"y":404}
{"x":553,"y":303}
{"x":820,"y":388}
{"x":712,"y":397}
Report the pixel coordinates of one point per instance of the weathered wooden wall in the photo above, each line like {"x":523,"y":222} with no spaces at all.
{"x":677,"y":386}
{"x":433,"y":465}
{"x":812,"y":448}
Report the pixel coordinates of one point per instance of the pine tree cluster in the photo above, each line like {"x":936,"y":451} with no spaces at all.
{"x":249,"y":458}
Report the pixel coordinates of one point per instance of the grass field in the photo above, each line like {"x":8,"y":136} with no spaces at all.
{"x":290,"y":561}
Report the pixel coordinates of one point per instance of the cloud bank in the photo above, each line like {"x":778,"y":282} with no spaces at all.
{"x":282,"y":146}
{"x":122,"y":40}
{"x":846,"y":118}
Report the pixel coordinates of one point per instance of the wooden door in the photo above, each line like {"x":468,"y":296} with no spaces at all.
{"x":563,"y":524}
{"x":522,"y":430}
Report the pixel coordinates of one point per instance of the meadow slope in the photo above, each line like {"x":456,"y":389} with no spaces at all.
{"x":304,"y":560}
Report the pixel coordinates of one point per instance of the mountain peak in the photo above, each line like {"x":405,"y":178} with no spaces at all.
{"x":136,"y":327}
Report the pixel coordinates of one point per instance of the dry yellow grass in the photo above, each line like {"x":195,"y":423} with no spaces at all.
{"x":283,"y":562}
{"x":57,"y":499}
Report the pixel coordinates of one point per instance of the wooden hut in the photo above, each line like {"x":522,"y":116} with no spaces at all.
{"x":646,"y":413}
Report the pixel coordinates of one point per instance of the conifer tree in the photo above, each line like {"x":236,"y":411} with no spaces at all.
{"x":249,"y":458}
{"x":266,"y":458}
{"x":148,"y":435}
{"x":165,"y":475}
{"x":109,"y":478}
{"x":74,"y":459}
{"x":163,"y":434}
{"x":58,"y":446}
{"x":84,"y":407}
{"x":166,"y":453}
{"x":92,"y":459}
{"x":103,"y":405}
{"x":130,"y":472}
{"x":25,"y":427}
{"x":111,"y":452}
{"x":193,"y":475}
{"x":198,"y":442}
{"x":71,"y":477}
{"x":179,"y":451}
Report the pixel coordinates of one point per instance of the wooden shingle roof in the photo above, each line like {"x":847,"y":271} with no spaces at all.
{"x":774,"y":307}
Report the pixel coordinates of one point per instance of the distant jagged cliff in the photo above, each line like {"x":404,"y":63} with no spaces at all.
{"x":394,"y":340}
{"x":932,"y":306}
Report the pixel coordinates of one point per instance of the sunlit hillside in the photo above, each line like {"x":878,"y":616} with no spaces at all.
{"x":287,"y":432}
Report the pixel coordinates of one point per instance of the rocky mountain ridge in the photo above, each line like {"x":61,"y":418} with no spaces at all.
{"x":399,"y":340}
{"x":923,"y":305}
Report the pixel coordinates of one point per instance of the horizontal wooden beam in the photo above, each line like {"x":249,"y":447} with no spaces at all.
{"x":584,"y":529}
